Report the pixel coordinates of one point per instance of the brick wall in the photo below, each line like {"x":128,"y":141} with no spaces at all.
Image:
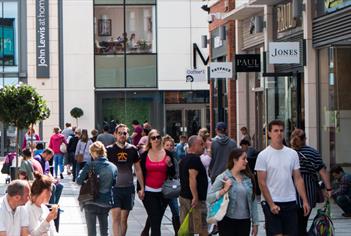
{"x":231,"y":86}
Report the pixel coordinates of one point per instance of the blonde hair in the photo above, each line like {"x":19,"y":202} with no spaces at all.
{"x":97,"y":149}
{"x":166,"y":138}
{"x":204,"y":134}
{"x":148,"y":145}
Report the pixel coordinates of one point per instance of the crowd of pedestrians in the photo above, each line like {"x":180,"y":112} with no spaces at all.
{"x":207,"y":168}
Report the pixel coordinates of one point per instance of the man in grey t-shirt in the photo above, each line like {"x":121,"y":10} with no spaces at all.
{"x":106,"y":138}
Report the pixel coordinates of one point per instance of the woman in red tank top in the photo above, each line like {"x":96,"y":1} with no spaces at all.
{"x":157,"y":166}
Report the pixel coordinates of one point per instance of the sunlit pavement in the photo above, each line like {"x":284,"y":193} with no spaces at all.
{"x":72,"y":221}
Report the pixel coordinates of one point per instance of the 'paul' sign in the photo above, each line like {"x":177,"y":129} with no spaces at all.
{"x":284,"y":53}
{"x":247,"y":63}
{"x":42,"y":39}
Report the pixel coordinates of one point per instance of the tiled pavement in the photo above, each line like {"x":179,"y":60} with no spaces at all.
{"x":72,"y":222}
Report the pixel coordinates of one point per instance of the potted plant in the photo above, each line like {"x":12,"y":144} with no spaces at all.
{"x":76,"y":112}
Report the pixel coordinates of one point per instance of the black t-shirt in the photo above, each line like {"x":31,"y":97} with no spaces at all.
{"x":192,"y":161}
{"x":123,"y":158}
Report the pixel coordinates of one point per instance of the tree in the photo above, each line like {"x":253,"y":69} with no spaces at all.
{"x":76,"y":112}
{"x":21,"y":106}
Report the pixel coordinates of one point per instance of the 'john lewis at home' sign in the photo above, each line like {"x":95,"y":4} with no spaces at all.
{"x":42,"y":39}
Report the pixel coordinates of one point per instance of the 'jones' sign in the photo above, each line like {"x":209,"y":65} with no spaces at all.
{"x":247,"y":63}
{"x":284,"y":53}
{"x":42,"y":35}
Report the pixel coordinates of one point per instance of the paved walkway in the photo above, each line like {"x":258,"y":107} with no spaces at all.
{"x":72,"y":222}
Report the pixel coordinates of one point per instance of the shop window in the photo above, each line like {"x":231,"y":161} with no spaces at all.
{"x":109,"y":71}
{"x":141,"y":71}
{"x":140,"y":1}
{"x":103,"y":2}
{"x":109,"y":30}
{"x":9,"y":36}
{"x":140,"y":29}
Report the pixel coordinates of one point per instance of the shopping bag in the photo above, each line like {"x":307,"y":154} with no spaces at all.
{"x":322,"y":225}
{"x":217,"y":210}
{"x":184,"y":228}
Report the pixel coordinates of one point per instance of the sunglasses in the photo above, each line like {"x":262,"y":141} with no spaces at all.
{"x":156,"y":137}
{"x":122,"y":133}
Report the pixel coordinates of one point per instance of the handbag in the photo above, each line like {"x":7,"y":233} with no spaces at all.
{"x":171,"y":188}
{"x":90,"y":188}
{"x":218,"y":209}
{"x":63,"y":147}
{"x":80,"y":156}
{"x":184,"y":228}
{"x":6,"y":168}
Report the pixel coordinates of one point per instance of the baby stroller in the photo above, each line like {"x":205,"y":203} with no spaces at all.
{"x":322,"y":225}
{"x":6,"y":167}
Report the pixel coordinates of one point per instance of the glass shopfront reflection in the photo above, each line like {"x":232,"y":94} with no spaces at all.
{"x":335,"y":104}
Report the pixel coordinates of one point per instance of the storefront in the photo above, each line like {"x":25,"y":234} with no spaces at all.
{"x":332,"y":39}
{"x":13,"y":60}
{"x":285,"y":86}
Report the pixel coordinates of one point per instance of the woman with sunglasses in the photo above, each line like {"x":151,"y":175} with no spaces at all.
{"x":157,"y":165}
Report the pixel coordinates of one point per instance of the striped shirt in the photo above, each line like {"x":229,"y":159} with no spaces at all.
{"x":310,"y":164}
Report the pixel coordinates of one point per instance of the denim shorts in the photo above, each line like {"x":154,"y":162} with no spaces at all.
{"x":285,"y":222}
{"x":123,"y":197}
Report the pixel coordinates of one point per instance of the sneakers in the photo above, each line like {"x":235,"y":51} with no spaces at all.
{"x":61,"y":175}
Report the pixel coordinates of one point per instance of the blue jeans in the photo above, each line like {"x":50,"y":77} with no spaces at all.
{"x":56,"y":193}
{"x":93,"y":211}
{"x":58,"y":161}
{"x":173,"y":205}
{"x":344,"y":202}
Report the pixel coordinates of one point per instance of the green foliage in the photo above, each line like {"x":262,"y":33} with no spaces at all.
{"x":22,"y":106}
{"x":76,"y":112}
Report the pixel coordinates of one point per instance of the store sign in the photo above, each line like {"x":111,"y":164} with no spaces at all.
{"x":247,"y":63}
{"x":195,"y":75}
{"x":221,"y":70}
{"x":284,"y":53}
{"x":333,"y":5}
{"x":42,"y":39}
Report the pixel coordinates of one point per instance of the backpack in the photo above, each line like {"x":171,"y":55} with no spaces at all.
{"x":322,"y":225}
{"x":90,"y":188}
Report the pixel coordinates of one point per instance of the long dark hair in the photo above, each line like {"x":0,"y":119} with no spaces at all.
{"x":235,"y":155}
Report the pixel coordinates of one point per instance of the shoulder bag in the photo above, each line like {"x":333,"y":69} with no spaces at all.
{"x":217,"y":210}
{"x":80,"y":156}
{"x":90,"y":187}
{"x":171,"y":188}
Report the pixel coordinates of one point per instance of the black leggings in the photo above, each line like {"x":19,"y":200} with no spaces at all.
{"x":234,"y":227}
{"x":155,"y":205}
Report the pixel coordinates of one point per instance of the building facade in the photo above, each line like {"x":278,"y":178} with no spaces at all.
{"x":119,"y":61}
{"x":306,"y":87}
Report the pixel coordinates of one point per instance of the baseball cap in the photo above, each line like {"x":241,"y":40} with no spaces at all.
{"x":221,"y":126}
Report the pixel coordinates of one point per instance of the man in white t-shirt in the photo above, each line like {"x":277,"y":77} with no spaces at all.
{"x":14,"y":218}
{"x":278,"y":173}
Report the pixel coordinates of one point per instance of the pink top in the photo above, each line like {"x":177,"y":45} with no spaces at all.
{"x":55,"y":142}
{"x":156,"y":172}
{"x":37,"y":166}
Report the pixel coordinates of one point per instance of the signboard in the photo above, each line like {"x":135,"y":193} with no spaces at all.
{"x":284,"y":53}
{"x":7,"y":47}
{"x":195,"y":75}
{"x":333,"y":5}
{"x":221,"y":70}
{"x":247,"y":63}
{"x":42,"y":39}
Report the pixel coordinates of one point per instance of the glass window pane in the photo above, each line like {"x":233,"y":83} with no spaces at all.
{"x":109,"y":71}
{"x":140,"y":1}
{"x":140,"y":29}
{"x":98,"y":2}
{"x":9,"y":37}
{"x":109,"y":28}
{"x":141,"y":71}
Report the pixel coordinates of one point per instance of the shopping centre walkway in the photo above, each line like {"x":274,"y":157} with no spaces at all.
{"x":72,"y":222}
